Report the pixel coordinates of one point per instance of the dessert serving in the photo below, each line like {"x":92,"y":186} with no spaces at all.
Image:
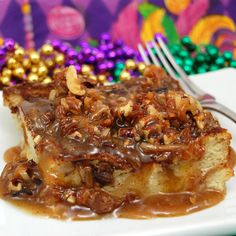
{"x":138,"y":149}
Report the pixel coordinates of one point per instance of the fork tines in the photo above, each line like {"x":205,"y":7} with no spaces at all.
{"x":157,"y":53}
{"x":164,"y":55}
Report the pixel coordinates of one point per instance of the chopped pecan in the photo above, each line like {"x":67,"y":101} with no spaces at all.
{"x":71,"y":104}
{"x":126,"y":109}
{"x":148,"y":148}
{"x":97,"y":200}
{"x":73,"y":82}
{"x":103,"y":173}
{"x":68,"y":126}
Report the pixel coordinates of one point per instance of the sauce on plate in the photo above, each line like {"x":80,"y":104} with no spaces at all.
{"x":162,"y":204}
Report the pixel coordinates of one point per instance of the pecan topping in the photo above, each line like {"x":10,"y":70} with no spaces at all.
{"x":73,"y":82}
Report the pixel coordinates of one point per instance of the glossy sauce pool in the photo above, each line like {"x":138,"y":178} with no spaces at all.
{"x":160,"y":205}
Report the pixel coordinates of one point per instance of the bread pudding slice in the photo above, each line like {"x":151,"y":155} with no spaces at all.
{"x":141,"y":148}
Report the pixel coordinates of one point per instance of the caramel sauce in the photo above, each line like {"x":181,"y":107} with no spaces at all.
{"x":159,"y":205}
{"x":169,"y":204}
{"x":57,"y":211}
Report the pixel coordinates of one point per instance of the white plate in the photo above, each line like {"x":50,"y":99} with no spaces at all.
{"x":218,"y":220}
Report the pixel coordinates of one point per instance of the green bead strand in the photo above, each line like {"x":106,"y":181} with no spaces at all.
{"x":78,"y":48}
{"x":188,"y":62}
{"x":220,"y":61}
{"x":192,"y":47}
{"x":185,"y":41}
{"x":120,"y":66}
{"x":93,"y":43}
{"x":233,"y":64}
{"x":202,"y":69}
{"x":187,"y":69}
{"x":227,"y":55}
{"x":183,"y":53}
{"x":212,"y":51}
{"x":174,"y":48}
{"x":213,"y":67}
{"x":116,"y":74}
{"x":200,"y":58}
{"x":179,"y":61}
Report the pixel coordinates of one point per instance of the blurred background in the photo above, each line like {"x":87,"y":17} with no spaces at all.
{"x":31,"y":22}
{"x":38,"y":38}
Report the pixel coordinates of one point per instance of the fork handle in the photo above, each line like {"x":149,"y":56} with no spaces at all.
{"x":215,"y":106}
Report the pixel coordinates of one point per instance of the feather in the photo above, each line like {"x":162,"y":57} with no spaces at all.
{"x":207,"y":26}
{"x":126,"y":27}
{"x":223,"y":35}
{"x":4,"y":7}
{"x":189,"y":17}
{"x":152,"y":25}
{"x":169,"y":28}
{"x":145,"y":9}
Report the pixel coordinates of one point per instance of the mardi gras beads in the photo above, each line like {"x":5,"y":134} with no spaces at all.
{"x":199,"y":59}
{"x":141,"y":67}
{"x":103,"y":57}
{"x":125,"y":75}
{"x":19,"y":54}
{"x":233,"y":64}
{"x":130,"y":64}
{"x":19,"y":72}
{"x":47,"y":49}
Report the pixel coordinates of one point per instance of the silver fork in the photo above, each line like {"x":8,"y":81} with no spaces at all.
{"x":207,"y":100}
